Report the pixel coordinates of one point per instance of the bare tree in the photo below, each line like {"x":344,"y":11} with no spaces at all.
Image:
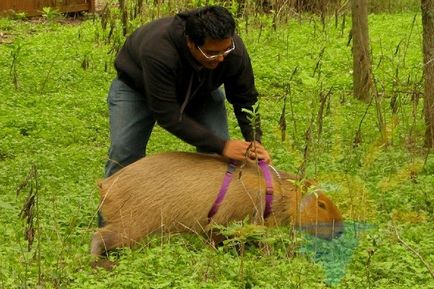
{"x":362,"y":80}
{"x":317,"y":6}
{"x":123,"y":7}
{"x":427,"y":7}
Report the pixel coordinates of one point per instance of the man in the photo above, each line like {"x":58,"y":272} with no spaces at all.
{"x":169,"y":72}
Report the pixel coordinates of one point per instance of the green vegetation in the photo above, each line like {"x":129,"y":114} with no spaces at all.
{"x":369,"y":158}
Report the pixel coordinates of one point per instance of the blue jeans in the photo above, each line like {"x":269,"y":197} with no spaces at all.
{"x":131,"y":123}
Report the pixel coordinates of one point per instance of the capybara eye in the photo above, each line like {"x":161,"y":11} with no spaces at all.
{"x":322,"y":205}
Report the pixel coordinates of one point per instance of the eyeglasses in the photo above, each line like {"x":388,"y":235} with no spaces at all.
{"x":215,"y":56}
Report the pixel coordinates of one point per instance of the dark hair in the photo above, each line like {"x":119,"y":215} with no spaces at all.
{"x":214,"y":22}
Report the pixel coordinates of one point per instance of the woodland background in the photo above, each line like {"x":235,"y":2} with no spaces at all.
{"x":370,"y":154}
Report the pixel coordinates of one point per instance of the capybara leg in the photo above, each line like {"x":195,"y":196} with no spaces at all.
{"x":103,"y":241}
{"x":216,"y":238}
{"x":103,"y":263}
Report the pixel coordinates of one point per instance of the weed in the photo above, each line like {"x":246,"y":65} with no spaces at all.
{"x":50,"y":13}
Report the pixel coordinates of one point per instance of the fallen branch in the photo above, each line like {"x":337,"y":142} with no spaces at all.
{"x":409,"y":248}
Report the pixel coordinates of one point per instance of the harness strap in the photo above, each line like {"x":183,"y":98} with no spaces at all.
{"x":224,"y":187}
{"x":228,"y":178}
{"x":269,"y":187}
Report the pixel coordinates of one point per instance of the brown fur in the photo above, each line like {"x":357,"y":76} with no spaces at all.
{"x":173,"y":192}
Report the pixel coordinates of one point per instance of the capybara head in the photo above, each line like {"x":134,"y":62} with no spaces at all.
{"x":320,"y":217}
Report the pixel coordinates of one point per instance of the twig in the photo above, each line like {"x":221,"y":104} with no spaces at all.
{"x":413,"y":251}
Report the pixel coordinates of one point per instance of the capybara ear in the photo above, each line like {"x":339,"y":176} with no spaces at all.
{"x":307,"y":183}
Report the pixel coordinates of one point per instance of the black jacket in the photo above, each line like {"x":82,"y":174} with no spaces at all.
{"x":155,"y":61}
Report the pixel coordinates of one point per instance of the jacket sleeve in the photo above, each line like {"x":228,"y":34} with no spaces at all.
{"x":160,"y":88}
{"x":242,"y":94}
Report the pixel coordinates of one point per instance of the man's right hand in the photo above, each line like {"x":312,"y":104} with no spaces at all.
{"x":238,"y":150}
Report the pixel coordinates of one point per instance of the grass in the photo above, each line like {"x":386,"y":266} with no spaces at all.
{"x":54,"y":117}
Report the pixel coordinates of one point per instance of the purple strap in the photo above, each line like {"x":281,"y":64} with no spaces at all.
{"x":227,"y":180}
{"x":224,"y":187}
{"x":269,"y":187}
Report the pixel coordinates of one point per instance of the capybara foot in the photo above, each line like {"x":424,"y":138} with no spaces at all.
{"x":216,"y":239}
{"x":103,"y":241}
{"x":103,"y":263}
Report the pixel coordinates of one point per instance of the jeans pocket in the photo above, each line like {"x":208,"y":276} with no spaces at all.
{"x":120,"y":91}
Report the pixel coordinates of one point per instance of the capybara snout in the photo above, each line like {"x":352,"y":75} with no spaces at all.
{"x":174,"y":192}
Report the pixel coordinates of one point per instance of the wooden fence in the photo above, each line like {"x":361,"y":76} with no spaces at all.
{"x":34,"y":7}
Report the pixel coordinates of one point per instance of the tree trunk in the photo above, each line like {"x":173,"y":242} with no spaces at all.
{"x":427,"y":7}
{"x":316,"y":6}
{"x":362,"y":80}
{"x":123,"y":7}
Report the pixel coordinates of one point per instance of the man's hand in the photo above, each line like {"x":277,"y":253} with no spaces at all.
{"x":239,"y":150}
{"x":257,"y":151}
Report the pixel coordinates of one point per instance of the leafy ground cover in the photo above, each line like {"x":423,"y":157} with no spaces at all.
{"x":368,"y":157}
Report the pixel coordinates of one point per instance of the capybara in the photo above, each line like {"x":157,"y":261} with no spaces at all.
{"x":174,"y":192}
